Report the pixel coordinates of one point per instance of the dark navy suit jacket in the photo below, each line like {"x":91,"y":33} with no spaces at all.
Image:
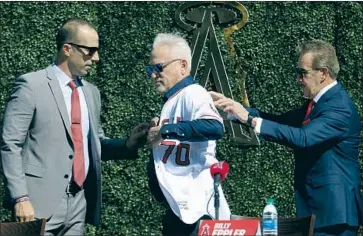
{"x":327,"y":174}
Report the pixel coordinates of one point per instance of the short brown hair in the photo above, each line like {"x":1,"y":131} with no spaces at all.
{"x":69,"y":30}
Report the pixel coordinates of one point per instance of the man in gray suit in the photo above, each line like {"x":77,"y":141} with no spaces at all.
{"x":52,"y":140}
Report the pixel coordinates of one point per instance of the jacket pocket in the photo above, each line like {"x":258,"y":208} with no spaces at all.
{"x":32,"y":170}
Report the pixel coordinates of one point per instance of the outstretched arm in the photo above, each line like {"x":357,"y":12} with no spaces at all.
{"x":116,"y":149}
{"x":239,"y":113}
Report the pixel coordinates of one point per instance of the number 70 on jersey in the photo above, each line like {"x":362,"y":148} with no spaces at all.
{"x":181,"y":150}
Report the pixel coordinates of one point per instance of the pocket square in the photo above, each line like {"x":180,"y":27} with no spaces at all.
{"x":305,"y":122}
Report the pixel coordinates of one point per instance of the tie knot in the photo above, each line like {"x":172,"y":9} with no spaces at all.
{"x":312,"y":103}
{"x":72,"y":84}
{"x":308,"y":109}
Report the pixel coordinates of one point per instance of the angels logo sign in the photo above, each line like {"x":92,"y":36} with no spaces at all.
{"x":250,"y":227}
{"x":205,"y":230}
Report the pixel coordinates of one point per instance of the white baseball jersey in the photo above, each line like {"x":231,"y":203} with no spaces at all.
{"x":182,"y":168}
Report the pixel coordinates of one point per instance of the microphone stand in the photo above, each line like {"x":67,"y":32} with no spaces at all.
{"x":217,"y":180}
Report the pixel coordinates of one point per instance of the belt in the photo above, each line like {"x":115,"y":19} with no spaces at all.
{"x":73,"y":188}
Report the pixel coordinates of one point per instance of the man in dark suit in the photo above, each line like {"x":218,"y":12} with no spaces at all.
{"x":52,"y":140}
{"x":325,"y":136}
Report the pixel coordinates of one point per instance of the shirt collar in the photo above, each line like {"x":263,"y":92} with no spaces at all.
{"x":63,"y":78}
{"x":178,"y":86}
{"x":324,"y":90}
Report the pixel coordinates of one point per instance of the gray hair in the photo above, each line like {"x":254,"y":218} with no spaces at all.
{"x":178,"y":45}
{"x":324,"y":55}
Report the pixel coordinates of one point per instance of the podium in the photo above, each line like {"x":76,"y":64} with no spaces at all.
{"x":245,"y":227}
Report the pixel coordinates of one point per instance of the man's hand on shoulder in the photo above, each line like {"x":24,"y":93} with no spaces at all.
{"x":230,"y":106}
{"x":216,"y":96}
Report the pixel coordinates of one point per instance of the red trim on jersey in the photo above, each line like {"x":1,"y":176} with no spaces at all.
{"x":164,"y":121}
{"x":168,"y":143}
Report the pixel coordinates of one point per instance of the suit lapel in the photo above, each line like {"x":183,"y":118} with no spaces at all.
{"x":87,"y":91}
{"x":335,"y":89}
{"x":88,"y":95}
{"x":326,"y":96}
{"x":58,"y":97}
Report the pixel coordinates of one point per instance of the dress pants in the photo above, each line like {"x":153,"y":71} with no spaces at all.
{"x":336,"y":230}
{"x":333,"y":230}
{"x":69,"y":218}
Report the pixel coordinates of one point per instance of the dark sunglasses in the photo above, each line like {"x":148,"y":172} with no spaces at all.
{"x":90,"y":50}
{"x":158,"y":68}
{"x":300,"y":72}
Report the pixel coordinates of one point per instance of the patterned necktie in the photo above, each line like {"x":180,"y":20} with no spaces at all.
{"x":308,"y":110}
{"x":76,"y":127}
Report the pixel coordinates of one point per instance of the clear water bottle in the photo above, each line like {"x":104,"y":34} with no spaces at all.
{"x":269,"y":219}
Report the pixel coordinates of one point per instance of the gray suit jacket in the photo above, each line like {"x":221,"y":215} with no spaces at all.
{"x":37,"y":147}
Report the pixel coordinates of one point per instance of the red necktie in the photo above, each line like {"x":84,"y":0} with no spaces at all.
{"x":308,"y":110}
{"x":78,"y":163}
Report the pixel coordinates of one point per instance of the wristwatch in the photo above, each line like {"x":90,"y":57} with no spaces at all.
{"x":249,"y":120}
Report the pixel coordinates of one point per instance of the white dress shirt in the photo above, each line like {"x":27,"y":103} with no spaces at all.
{"x":63,"y":80}
{"x":316,"y":99}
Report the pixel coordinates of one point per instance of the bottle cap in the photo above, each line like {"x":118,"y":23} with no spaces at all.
{"x":270,"y":201}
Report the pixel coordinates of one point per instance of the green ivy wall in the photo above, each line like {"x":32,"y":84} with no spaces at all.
{"x":265,"y":46}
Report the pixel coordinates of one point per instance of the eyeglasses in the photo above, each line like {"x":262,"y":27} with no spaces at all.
{"x":90,"y":50}
{"x":301,"y":73}
{"x":158,"y":68}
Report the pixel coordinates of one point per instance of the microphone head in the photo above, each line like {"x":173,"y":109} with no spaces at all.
{"x":220,"y":168}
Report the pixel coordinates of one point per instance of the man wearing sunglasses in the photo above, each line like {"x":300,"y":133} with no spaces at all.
{"x":52,"y":138}
{"x":183,"y":140}
{"x":325,"y":135}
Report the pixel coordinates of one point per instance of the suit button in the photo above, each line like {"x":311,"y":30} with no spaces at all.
{"x":70,"y":157}
{"x":66,"y":176}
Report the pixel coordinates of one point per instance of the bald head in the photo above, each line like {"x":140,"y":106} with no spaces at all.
{"x":71,"y":31}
